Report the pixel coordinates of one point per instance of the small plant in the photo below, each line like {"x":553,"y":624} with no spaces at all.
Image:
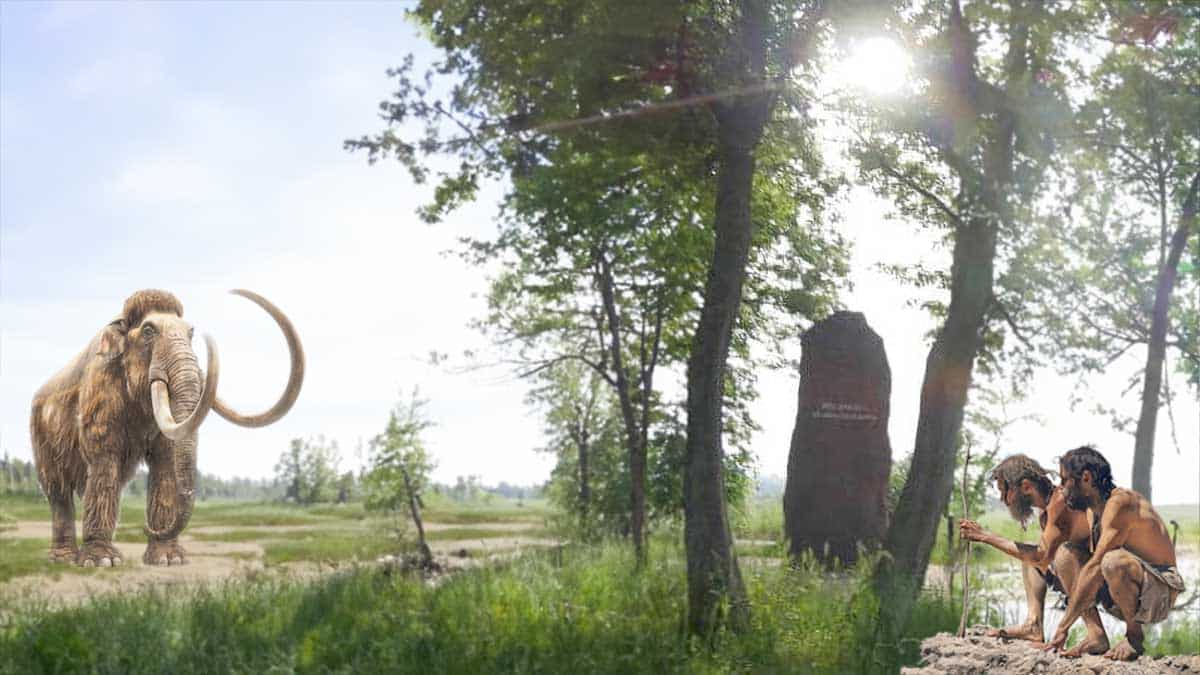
{"x":400,"y":469}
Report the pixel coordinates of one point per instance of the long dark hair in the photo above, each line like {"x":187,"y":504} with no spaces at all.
{"x":1087,"y":458}
{"x":1016,"y":468}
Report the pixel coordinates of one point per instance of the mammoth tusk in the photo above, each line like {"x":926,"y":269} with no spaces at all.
{"x":160,"y":397}
{"x":295,"y":378}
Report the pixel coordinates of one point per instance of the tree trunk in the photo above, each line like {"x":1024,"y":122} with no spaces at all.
{"x":414,"y":508}
{"x":636,"y":449}
{"x":943,"y":400}
{"x":952,"y":357}
{"x":714,"y":580}
{"x":1143,"y":446}
{"x":585,"y":488}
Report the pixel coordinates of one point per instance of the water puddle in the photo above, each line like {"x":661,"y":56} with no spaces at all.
{"x":1002,"y":597}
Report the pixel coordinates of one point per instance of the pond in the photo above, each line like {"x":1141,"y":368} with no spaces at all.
{"x":997,"y":591}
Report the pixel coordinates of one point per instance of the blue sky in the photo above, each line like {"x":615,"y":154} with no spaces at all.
{"x":198,"y":148}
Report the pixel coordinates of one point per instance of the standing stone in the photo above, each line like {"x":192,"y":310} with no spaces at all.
{"x":837,"y":475}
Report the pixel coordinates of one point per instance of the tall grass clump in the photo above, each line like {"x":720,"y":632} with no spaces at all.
{"x":760,"y":519}
{"x":1182,"y":638}
{"x":567,"y":610}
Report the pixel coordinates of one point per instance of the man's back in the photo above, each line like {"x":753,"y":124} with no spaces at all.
{"x":1144,"y":533}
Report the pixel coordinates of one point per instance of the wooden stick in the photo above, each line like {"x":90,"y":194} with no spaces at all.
{"x":962,"y":622}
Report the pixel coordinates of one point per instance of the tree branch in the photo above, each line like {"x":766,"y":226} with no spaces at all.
{"x":908,"y":182}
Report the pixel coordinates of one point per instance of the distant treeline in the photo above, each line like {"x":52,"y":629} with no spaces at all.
{"x":209,"y":486}
{"x":469,"y":489}
{"x":20,"y":477}
{"x":17,"y":476}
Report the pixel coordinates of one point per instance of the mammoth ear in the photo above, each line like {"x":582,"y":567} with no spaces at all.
{"x":112,"y":340}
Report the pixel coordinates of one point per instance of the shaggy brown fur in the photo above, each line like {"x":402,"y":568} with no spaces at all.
{"x":143,"y":302}
{"x":94,"y":421}
{"x":91,"y":425}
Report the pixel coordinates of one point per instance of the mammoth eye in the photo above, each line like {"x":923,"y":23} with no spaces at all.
{"x":148,"y":330}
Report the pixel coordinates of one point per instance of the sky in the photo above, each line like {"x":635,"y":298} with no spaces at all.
{"x":197,"y":147}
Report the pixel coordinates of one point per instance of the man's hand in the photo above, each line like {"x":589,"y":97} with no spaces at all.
{"x":1059,"y":640}
{"x":971,"y":531}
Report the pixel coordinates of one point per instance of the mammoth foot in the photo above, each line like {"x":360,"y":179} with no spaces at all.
{"x":164,"y":553}
{"x":63,"y":554}
{"x":98,"y":554}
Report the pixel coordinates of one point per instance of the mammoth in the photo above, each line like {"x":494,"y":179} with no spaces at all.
{"x":135,"y":393}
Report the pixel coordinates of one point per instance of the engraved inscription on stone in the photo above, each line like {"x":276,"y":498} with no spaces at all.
{"x":845,"y":411}
{"x":836,"y":494}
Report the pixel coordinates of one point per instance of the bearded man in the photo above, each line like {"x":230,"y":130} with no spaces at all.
{"x":1132,"y":566}
{"x":1056,"y":559}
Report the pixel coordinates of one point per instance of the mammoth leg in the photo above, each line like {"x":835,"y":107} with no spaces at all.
{"x":59,"y":471}
{"x":101,"y":495}
{"x":162,"y":506}
{"x":62,"y":538}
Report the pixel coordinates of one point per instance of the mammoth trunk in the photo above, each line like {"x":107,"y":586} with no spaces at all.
{"x":171,"y":509}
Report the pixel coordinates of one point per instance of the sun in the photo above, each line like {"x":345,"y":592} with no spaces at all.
{"x":877,"y":66}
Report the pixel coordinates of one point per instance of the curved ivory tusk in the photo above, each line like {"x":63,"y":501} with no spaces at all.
{"x":160,"y":397}
{"x":295,"y":379}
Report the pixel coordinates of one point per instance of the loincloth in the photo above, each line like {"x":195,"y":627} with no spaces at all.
{"x":1161,"y":585}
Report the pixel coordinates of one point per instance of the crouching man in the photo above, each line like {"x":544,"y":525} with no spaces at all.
{"x":1057,"y":558}
{"x":1132,"y":566}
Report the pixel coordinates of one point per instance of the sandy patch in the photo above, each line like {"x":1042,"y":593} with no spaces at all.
{"x":211,"y":562}
{"x":208,"y":562}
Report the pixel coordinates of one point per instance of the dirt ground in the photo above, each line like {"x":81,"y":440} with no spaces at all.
{"x":211,"y":562}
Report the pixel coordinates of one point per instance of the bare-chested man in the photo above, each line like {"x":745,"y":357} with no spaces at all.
{"x":1131,"y":553}
{"x":1056,"y":559}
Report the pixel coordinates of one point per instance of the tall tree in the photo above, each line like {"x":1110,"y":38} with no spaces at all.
{"x":308,"y":470}
{"x":967,"y":155}
{"x":1114,"y":285}
{"x":699,"y":84}
{"x":578,"y":419}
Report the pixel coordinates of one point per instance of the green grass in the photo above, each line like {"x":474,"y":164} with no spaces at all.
{"x":475,"y":533}
{"x":327,"y":546}
{"x":22,"y":557}
{"x":1183,"y":638}
{"x":758,"y":519}
{"x":579,"y":610}
{"x":268,"y":514}
{"x":775,"y":550}
{"x":1188,"y":517}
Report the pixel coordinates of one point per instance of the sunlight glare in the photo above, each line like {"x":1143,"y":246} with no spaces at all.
{"x":877,"y":66}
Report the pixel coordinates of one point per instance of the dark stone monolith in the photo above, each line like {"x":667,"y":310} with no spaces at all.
{"x":837,"y":476}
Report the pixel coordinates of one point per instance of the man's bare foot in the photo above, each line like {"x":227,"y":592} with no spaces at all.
{"x":1088,"y":645}
{"x":1124,"y":651}
{"x":1024,"y":631}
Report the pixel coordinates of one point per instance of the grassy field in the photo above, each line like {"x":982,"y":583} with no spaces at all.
{"x":327,"y":533}
{"x":582,"y":610}
{"x":573,"y":609}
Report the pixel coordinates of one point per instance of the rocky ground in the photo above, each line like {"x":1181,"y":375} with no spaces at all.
{"x":977,"y":654}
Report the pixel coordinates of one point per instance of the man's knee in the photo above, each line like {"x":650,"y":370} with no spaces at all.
{"x":1118,"y":565}
{"x":1066,"y":558}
